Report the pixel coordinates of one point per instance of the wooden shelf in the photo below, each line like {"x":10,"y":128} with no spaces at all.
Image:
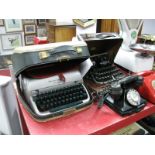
{"x":59,"y":33}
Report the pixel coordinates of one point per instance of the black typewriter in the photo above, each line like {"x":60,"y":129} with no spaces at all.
{"x":103,"y":48}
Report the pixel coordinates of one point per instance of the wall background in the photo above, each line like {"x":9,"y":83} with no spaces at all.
{"x":5,"y":55}
{"x":149,"y":26}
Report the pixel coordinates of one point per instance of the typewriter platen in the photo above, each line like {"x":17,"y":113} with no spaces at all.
{"x":49,"y":79}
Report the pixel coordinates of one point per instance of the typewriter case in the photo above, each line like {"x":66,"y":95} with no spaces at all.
{"x":47,"y":59}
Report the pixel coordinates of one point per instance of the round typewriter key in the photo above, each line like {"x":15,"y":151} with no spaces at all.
{"x":51,"y":100}
{"x":67,"y":100}
{"x":59,"y":97}
{"x":74,"y":98}
{"x":71,"y":99}
{"x":63,"y":101}
{"x":63,"y":97}
{"x":58,"y":103}
{"x":81,"y":96}
{"x":55,"y":104}
{"x":47,"y":106}
{"x":80,"y":92}
{"x":42,"y":107}
{"x":77,"y":97}
{"x":51,"y":104}
{"x":43,"y":102}
{"x":38,"y":102}
{"x":85,"y":96}
{"x":48,"y":101}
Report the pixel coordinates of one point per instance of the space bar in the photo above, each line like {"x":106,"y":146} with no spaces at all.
{"x":66,"y":106}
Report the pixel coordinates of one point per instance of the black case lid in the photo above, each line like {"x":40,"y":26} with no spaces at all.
{"x":67,"y":53}
{"x":99,"y":43}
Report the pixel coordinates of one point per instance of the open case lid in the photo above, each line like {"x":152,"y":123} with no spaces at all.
{"x":99,"y":43}
{"x":52,"y":55}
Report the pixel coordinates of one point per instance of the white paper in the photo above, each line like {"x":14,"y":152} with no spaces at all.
{"x":53,"y":81}
{"x":72,"y":76}
{"x":85,"y":66}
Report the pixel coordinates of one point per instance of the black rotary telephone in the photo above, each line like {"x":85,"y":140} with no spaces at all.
{"x":123,"y":97}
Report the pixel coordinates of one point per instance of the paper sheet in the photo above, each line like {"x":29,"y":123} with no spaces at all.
{"x":85,"y":66}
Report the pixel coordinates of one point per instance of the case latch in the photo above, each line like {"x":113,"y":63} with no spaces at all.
{"x":79,"y":50}
{"x":43,"y":55}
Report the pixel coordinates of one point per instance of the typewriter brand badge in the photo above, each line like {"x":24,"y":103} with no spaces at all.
{"x":69,"y":111}
{"x":79,"y":50}
{"x":64,"y":58}
{"x":43,"y":55}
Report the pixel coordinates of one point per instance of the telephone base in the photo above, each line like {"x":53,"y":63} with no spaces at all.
{"x":126,"y":109}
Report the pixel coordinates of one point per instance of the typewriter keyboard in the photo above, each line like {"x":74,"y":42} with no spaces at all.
{"x":105,"y":74}
{"x":60,"y":98}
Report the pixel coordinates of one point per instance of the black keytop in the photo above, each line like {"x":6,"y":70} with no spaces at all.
{"x":105,"y":74}
{"x":60,"y":98}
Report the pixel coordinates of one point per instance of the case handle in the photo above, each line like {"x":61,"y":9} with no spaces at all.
{"x":62,"y":49}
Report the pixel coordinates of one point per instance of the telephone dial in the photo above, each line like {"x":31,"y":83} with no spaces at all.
{"x":123,"y":96}
{"x":147,"y":89}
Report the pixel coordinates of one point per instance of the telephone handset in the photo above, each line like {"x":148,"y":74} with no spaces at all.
{"x":123,"y":96}
{"x":147,"y":89}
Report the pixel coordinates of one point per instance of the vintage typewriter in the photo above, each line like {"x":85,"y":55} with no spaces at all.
{"x":49,"y":79}
{"x":103,"y":48}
